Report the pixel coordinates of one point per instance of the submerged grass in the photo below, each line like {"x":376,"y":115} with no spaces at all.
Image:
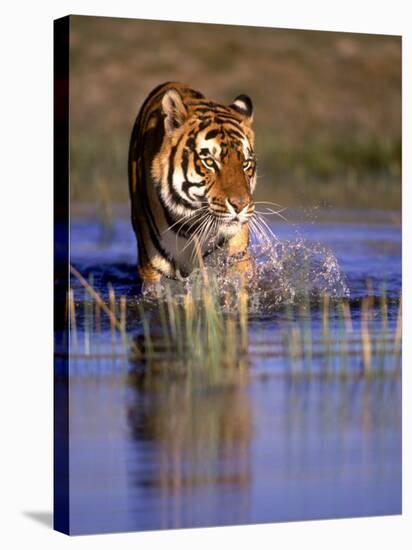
{"x":202,"y":332}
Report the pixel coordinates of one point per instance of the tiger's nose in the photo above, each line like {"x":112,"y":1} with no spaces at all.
{"x":238,"y":203}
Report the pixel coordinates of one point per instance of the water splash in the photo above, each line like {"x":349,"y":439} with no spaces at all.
{"x":284,"y":272}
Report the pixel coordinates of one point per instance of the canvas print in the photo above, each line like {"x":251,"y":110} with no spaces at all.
{"x":227,"y":275}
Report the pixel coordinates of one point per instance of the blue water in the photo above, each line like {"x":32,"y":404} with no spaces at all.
{"x":365,"y":250}
{"x":153,"y":454}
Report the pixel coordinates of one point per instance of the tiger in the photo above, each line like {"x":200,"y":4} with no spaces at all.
{"x":192,"y":174}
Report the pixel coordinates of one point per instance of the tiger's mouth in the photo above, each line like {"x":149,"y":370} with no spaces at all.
{"x":229,"y":224}
{"x":233,"y":215}
{"x":219,"y":218}
{"x":229,"y":218}
{"x":230,"y":228}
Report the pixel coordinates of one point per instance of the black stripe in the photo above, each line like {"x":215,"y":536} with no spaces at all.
{"x":197,"y":167}
{"x":185,"y":161}
{"x":146,"y":209}
{"x":175,"y":196}
{"x":196,"y":94}
{"x":186,"y":185}
{"x":203,"y":110}
{"x":235,"y":134}
{"x":210,"y":104}
{"x":185,"y":166}
{"x":151,"y":223}
{"x":191,"y":142}
{"x":217,"y":107}
{"x":222,"y":118}
{"x":135,"y":141}
{"x":209,"y":187}
{"x":217,"y":113}
{"x":204,"y":124}
{"x":212,"y":134}
{"x":153,"y":230}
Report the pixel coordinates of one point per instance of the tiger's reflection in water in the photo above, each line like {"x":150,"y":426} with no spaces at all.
{"x":202,"y":440}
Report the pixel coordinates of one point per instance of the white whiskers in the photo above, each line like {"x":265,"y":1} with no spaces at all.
{"x":203,"y":226}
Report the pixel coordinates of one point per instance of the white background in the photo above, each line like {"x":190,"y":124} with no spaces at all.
{"x":26,"y":267}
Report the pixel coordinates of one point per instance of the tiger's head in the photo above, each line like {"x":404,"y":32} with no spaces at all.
{"x":206,"y":165}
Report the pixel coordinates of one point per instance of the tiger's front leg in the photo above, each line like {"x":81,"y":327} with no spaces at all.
{"x":148,"y":274}
{"x":238,"y":249}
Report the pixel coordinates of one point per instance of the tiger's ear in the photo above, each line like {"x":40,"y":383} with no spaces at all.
{"x":243,"y":105}
{"x":174,"y":110}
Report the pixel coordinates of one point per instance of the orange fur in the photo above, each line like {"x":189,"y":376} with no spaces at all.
{"x":170,"y":180}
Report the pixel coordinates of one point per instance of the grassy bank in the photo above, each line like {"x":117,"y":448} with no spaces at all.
{"x":327,"y":105}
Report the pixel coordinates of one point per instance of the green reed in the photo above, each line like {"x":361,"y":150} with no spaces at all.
{"x":201,"y":330}
{"x":344,"y":322}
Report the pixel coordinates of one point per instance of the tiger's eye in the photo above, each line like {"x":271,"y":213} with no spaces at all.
{"x":209,"y":162}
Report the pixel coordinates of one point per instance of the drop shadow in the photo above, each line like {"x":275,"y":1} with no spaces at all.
{"x":44,"y":518}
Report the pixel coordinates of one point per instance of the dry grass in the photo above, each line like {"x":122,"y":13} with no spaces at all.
{"x":327,"y":105}
{"x":196,"y":334}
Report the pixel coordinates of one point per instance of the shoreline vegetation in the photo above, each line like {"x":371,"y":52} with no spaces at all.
{"x":327,"y":105}
{"x":193,"y":334}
